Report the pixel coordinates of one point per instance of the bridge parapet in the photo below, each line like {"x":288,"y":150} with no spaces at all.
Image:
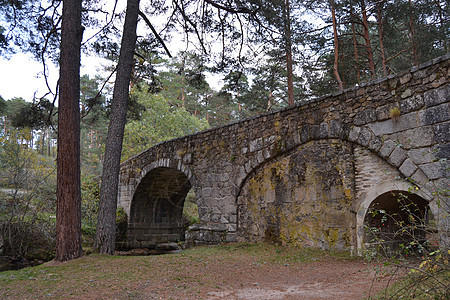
{"x":403,"y":120}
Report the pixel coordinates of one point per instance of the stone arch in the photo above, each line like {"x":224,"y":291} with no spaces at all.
{"x":129,"y":187}
{"x":156,"y":210}
{"x":386,"y":193}
{"x":279,"y":210}
{"x":388,"y":150}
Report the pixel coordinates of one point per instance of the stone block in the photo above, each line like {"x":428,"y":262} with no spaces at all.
{"x":248,"y":167}
{"x":260,"y":156}
{"x":242,"y":174}
{"x":418,"y":137}
{"x":420,"y":74}
{"x":256,"y":145}
{"x":437,"y":96}
{"x":323,"y":130}
{"x":419,"y":177}
{"x":366,"y":116}
{"x":405,"y":78}
{"x":315,"y":132}
{"x":296,"y":137}
{"x":354,"y":133}
{"x":233,"y":218}
{"x":439,"y":82}
{"x":375,"y":143}
{"x":231,"y":238}
{"x":435,"y":114}
{"x":203,"y":210}
{"x":267,"y":154}
{"x":421,"y":156}
{"x":336,"y":129}
{"x":442,"y":151}
{"x":387,"y":148}
{"x":411,"y":104}
{"x":401,"y":123}
{"x":407,"y":93}
{"x":187,"y":158}
{"x":215,"y":218}
{"x":269,"y":140}
{"x":383,"y":112}
{"x":206,"y":192}
{"x":397,"y":156}
{"x":364,"y":136}
{"x":408,"y":168}
{"x":442,"y":132}
{"x":231,"y":227}
{"x":433,"y":170}
{"x":304,"y":134}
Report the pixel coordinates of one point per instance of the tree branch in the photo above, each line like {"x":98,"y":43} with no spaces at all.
{"x":231,"y":10}
{"x":158,"y":37}
{"x":185,"y":17}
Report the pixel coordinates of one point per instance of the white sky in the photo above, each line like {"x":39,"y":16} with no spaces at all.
{"x":21,"y":77}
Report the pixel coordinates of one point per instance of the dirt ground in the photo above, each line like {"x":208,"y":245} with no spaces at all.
{"x":324,"y":279}
{"x":258,"y":272}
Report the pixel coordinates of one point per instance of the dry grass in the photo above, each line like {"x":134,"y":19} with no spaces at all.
{"x":199,"y":273}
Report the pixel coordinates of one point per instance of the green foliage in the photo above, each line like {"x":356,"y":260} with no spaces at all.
{"x":90,"y":192}
{"x":94,"y":124}
{"x":159,"y":122}
{"x":190,"y":209}
{"x":27,"y":202}
{"x":406,"y":237}
{"x":121,"y":227}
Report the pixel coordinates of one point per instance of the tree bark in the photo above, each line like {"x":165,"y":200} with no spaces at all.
{"x":68,"y":208}
{"x":367,"y":39}
{"x":355,"y":47}
{"x":380,"y":36}
{"x":412,"y":30}
{"x":289,"y":67}
{"x":106,"y":229}
{"x":336,"y":47}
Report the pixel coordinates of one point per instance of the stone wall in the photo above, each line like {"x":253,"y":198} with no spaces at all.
{"x":303,"y":158}
{"x":303,"y":197}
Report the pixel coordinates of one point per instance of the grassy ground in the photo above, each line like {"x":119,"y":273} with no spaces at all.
{"x":233,"y":271}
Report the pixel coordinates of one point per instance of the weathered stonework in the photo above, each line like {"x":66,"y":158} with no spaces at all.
{"x":303,"y":197}
{"x":305,"y":174}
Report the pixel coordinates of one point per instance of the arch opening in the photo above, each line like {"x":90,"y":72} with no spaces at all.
{"x":399,"y":223}
{"x":156,"y":214}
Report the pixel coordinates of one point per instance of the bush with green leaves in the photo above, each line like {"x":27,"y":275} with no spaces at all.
{"x":90,"y":193}
{"x":27,"y":199}
{"x":159,"y":121}
{"x":409,"y":240}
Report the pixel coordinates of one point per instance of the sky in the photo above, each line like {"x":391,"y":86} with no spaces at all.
{"x":21,"y":76}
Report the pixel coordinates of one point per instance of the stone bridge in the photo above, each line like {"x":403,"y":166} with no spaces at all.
{"x":307,"y":174}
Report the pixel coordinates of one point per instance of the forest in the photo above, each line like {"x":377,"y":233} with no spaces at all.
{"x":60,"y":152}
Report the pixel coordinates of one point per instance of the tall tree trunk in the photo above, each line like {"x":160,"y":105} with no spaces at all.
{"x":443,"y":28}
{"x":355,"y":47}
{"x":183,"y":82}
{"x":288,"y":41}
{"x":367,"y":38}
{"x":336,"y":47}
{"x":68,"y":208}
{"x":380,"y":36}
{"x":412,"y":30}
{"x":106,"y":230}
